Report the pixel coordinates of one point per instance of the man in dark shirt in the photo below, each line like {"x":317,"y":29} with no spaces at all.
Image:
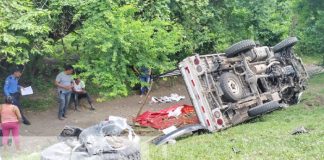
{"x":12,"y":89}
{"x":145,"y":77}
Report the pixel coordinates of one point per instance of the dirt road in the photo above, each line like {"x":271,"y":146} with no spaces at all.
{"x":46,"y":123}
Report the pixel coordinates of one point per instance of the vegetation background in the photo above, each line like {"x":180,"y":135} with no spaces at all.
{"x":103,"y":39}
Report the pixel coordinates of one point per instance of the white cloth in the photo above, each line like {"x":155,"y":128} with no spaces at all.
{"x":175,"y":113}
{"x":78,"y":87}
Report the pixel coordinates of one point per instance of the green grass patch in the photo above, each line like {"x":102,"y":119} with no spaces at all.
{"x":313,"y":59}
{"x":39,"y":104}
{"x":266,"y":137}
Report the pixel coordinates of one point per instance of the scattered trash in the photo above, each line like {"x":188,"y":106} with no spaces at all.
{"x":176,"y":97}
{"x":70,"y":131}
{"x":176,"y":115}
{"x":172,"y":141}
{"x":166,"y":99}
{"x":235,"y":150}
{"x":299,"y":130}
{"x":112,"y":139}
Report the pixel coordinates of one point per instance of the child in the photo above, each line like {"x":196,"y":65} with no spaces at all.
{"x":10,"y":117}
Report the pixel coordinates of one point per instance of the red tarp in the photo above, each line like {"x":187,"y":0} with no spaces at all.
{"x":162,"y":118}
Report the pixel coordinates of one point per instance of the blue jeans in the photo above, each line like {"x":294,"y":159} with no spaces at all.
{"x":147,"y":80}
{"x":64,"y":100}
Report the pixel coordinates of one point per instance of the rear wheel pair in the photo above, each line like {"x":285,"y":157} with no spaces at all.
{"x":246,"y":45}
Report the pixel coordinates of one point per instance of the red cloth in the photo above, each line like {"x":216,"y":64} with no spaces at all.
{"x":161,"y":120}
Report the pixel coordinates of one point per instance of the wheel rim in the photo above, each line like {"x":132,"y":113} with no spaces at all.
{"x":234,"y":88}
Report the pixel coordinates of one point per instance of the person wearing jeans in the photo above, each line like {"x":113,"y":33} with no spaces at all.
{"x":64,"y":83}
{"x":64,"y":100}
{"x":10,"y":117}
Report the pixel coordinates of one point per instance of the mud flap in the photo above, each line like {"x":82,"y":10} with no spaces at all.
{"x":177,"y":133}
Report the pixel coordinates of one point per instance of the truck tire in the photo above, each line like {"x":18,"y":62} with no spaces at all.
{"x":288,"y":42}
{"x":263,"y":108}
{"x":239,"y":47}
{"x":231,"y":86}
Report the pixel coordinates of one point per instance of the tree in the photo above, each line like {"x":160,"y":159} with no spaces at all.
{"x":23,"y":31}
{"x":309,"y":17}
{"x":115,"y":41}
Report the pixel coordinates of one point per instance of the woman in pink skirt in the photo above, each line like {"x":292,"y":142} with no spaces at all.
{"x":10,"y":118}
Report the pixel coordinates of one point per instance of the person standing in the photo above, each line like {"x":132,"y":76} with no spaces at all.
{"x":80,"y":92}
{"x":145,"y":77}
{"x":10,"y":117}
{"x":64,"y":83}
{"x":12,"y":89}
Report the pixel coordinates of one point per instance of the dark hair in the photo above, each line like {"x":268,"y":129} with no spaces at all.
{"x":16,"y":69}
{"x":8,"y":100}
{"x":68,"y":67}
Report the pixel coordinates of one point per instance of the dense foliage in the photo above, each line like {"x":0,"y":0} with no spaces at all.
{"x":106,"y":38}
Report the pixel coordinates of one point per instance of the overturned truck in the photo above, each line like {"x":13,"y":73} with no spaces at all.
{"x":244,"y":82}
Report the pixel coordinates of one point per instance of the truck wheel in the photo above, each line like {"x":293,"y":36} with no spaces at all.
{"x":263,"y":108}
{"x":231,"y":87}
{"x":239,"y":47}
{"x":289,"y":42}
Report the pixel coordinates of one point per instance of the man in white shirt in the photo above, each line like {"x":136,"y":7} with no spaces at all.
{"x":80,"y":92}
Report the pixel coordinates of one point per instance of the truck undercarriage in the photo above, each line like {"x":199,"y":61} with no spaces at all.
{"x":246,"y":81}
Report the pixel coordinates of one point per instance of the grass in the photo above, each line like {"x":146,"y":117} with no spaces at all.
{"x":39,"y":104}
{"x":266,"y":137}
{"x":313,"y":59}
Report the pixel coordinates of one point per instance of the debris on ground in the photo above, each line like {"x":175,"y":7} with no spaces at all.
{"x":167,"y":99}
{"x":176,"y":115}
{"x":108,"y":140}
{"x":235,"y":150}
{"x":299,"y":130}
{"x":172,"y":141}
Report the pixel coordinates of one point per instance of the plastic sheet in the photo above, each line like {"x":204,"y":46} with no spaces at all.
{"x":106,"y":140}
